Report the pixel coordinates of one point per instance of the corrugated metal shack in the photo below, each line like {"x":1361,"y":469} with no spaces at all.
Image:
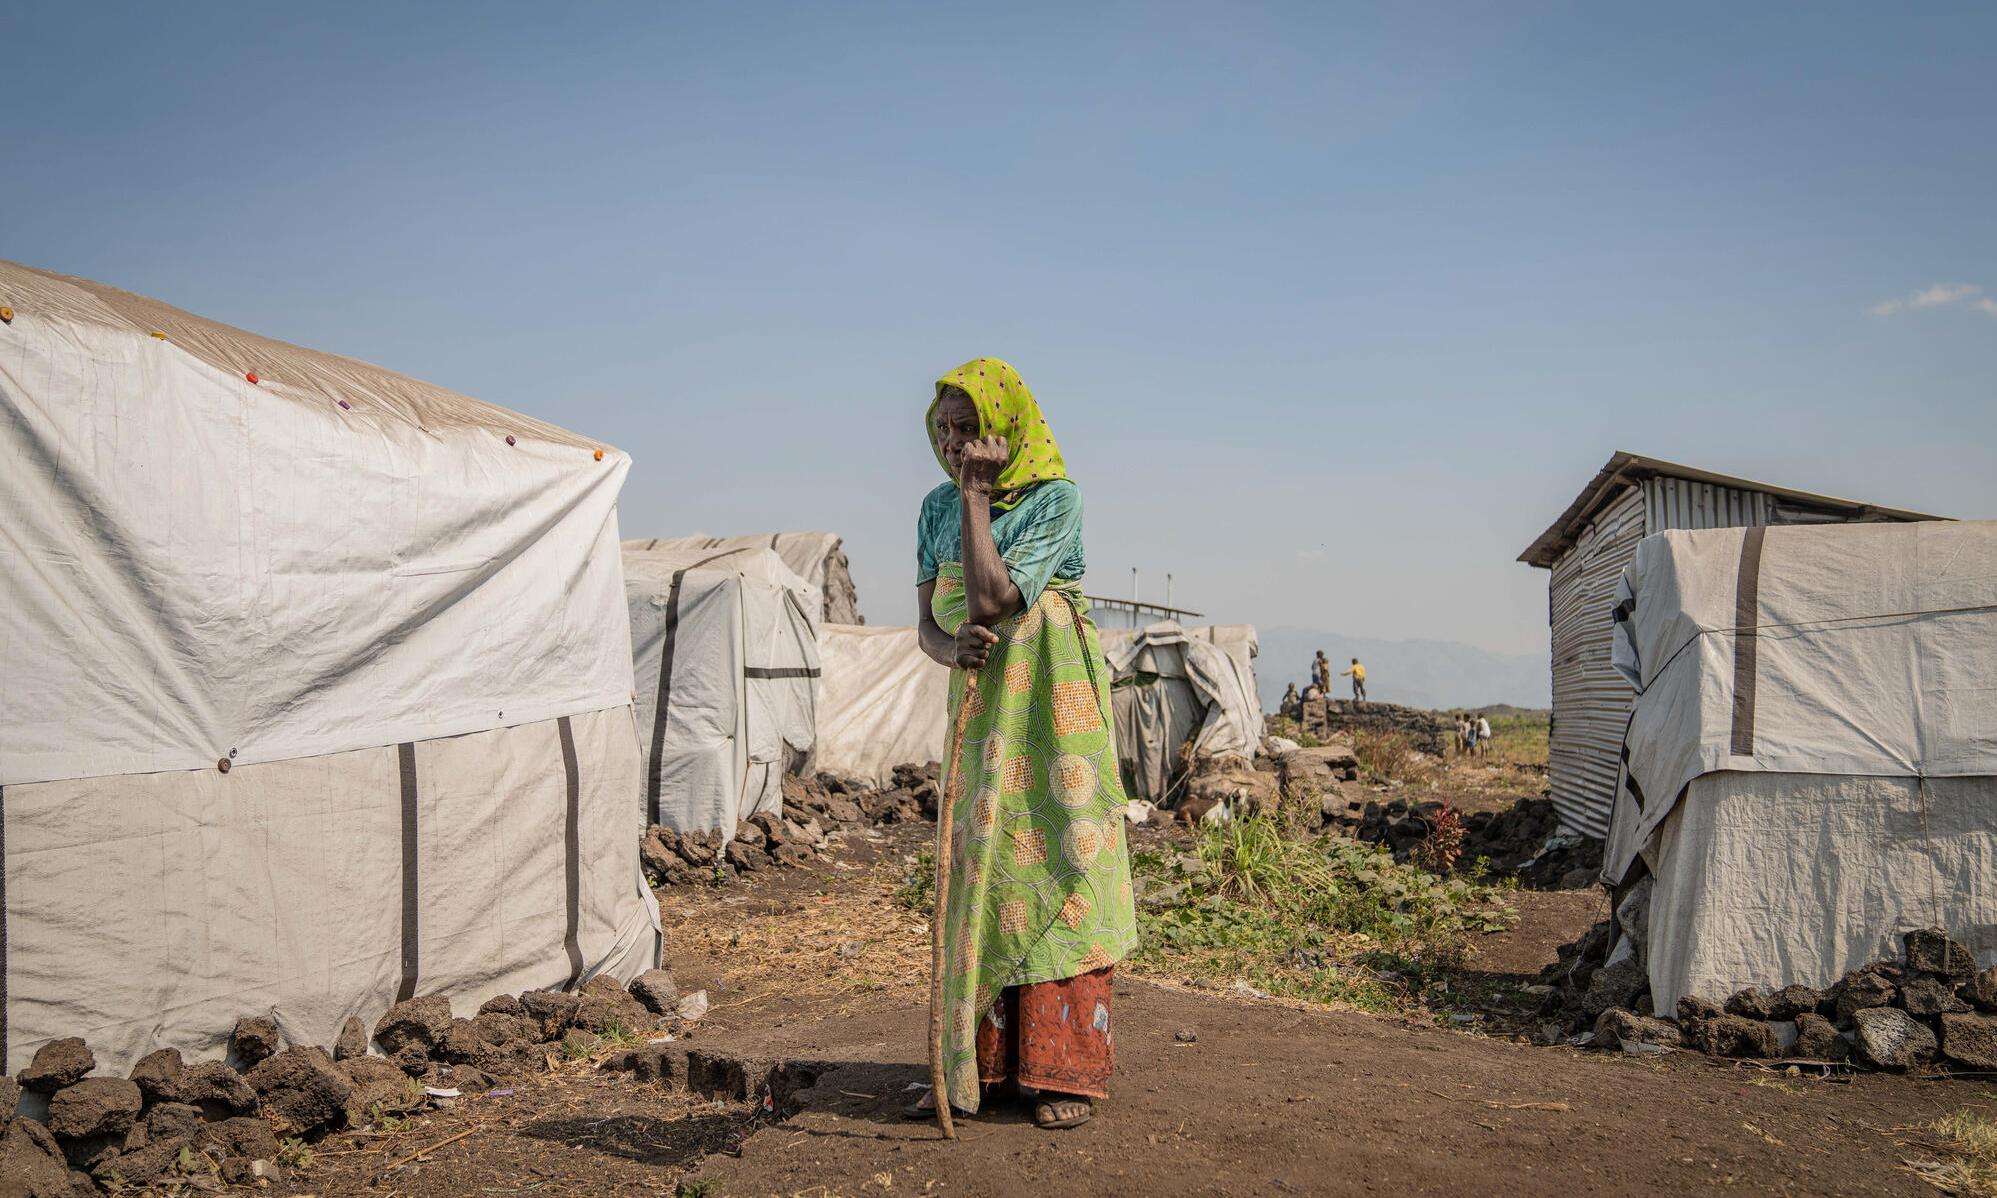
{"x":1586,"y":550}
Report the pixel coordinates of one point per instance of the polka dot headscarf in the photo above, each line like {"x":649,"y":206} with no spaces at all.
{"x":1005,"y":409}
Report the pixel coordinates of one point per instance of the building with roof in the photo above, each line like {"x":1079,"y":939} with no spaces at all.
{"x":1585,"y":551}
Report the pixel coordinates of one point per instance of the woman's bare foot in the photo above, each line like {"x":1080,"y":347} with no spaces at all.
{"x":925,"y":1108}
{"x":1058,"y":1111}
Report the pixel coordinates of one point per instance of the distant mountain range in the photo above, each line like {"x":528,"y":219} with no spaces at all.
{"x":1436,"y":674}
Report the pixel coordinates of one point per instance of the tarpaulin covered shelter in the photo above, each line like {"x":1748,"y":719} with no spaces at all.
{"x":1585,"y":550}
{"x":1176,"y":691}
{"x":816,"y":557}
{"x":725,"y":654}
{"x":1811,"y":765}
{"x":317,"y":689}
{"x":884,"y":703}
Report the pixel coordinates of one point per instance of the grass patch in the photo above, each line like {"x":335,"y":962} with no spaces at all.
{"x":917,"y":888}
{"x":1969,"y":1140}
{"x":1392,"y":757}
{"x":1325,"y":919}
{"x":1519,"y":738}
{"x":1289,"y":729}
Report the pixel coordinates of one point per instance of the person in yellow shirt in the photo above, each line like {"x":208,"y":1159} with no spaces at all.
{"x":1358,"y":673}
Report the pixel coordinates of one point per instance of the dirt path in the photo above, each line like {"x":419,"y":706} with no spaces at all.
{"x":1272,"y":1100}
{"x":822,"y":971}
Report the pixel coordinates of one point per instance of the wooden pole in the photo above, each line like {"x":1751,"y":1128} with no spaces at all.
{"x":938,"y":1081}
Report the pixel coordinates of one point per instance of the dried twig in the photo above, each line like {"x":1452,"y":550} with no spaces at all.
{"x":423,"y":1152}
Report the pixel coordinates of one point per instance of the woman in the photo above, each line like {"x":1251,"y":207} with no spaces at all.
{"x":1039,"y":905}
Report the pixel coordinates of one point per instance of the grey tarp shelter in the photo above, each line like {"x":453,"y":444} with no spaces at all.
{"x":725,"y":656}
{"x":317,"y":688}
{"x":1176,"y":691}
{"x":1811,"y":764}
{"x":816,"y":557}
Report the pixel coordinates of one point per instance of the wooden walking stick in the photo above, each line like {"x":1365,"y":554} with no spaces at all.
{"x":938,"y":1082}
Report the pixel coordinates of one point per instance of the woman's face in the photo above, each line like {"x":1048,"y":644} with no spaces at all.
{"x":956,"y":426}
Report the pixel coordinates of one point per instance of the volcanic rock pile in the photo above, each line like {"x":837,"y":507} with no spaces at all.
{"x":219,"y":1122}
{"x":814,"y":810}
{"x":1428,"y":731}
{"x":1931,"y":1004}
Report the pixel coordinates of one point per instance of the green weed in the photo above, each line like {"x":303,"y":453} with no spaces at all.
{"x":1326,"y":918}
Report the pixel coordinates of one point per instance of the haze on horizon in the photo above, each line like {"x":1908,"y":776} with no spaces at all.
{"x":1332,"y":308}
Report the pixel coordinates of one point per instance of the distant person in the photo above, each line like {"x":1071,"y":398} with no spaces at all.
{"x":1313,"y":693}
{"x":1291,"y":704}
{"x":1462,"y":734}
{"x":1484,"y":735}
{"x":1358,"y":673}
{"x":1321,"y":672}
{"x":1470,"y":737}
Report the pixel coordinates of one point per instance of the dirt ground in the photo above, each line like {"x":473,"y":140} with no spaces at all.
{"x":823,"y":972}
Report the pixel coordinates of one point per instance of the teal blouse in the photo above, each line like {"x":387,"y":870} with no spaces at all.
{"x":1039,"y":539}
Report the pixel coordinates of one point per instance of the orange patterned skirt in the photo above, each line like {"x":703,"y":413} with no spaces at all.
{"x":1050,"y":1035}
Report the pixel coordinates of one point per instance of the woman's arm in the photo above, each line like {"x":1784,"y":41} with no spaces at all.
{"x":966,"y":650}
{"x":990,"y":595}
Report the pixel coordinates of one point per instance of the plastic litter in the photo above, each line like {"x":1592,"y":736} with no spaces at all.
{"x":693,"y":1006}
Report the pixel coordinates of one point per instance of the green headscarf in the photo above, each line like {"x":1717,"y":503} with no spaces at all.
{"x":1005,"y":409}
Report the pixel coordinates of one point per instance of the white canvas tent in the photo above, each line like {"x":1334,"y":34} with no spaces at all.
{"x":317,"y":688}
{"x":1174,"y":687}
{"x":726,"y":660}
{"x":884,"y":703}
{"x":1811,"y":765}
{"x":816,"y":557}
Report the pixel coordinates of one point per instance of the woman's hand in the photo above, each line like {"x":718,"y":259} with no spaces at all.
{"x":974,"y":644}
{"x":980,"y":463}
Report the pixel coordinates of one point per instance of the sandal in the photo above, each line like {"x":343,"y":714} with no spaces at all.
{"x":1058,"y":1114}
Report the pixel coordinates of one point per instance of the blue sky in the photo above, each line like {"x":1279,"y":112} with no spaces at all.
{"x":1333,"y":308}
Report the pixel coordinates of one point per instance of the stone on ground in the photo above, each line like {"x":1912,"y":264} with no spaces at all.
{"x":1982,"y":989}
{"x":1751,"y":1003}
{"x":157,"y":1158}
{"x":217,"y":1089}
{"x":1735,"y":1036}
{"x":657,"y":990}
{"x":57,"y":1064}
{"x":1618,"y":1027}
{"x":378,"y":1088}
{"x":165,"y":1120}
{"x":502,"y":1004}
{"x":10,"y":1099}
{"x":1930,"y":950}
{"x":243,"y":1135}
{"x":1613,"y":985}
{"x":1887,"y":1038}
{"x":1970,"y":1040}
{"x":302,"y":1089}
{"x":418,"y":1021}
{"x":158,"y":1075}
{"x":551,"y":1010}
{"x":606,"y":1007}
{"x":32,"y":1164}
{"x":352,"y":1041}
{"x":255,"y":1039}
{"x":1927,"y":995}
{"x":1861,"y":989}
{"x":1817,"y":1039}
{"x":95,"y":1106}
